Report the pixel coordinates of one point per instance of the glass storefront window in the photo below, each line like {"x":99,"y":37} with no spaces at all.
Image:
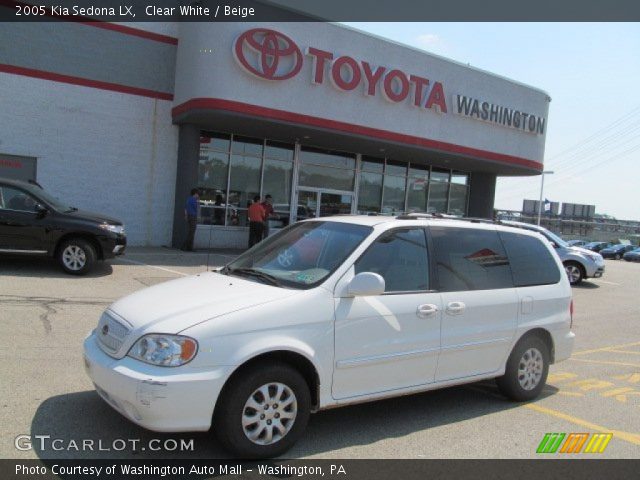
{"x":370,"y":164}
{"x":326,"y":177}
{"x":370,"y":192}
{"x":396,"y":168}
{"x":418,"y":188}
{"x":215,"y":141}
{"x":279,"y":151}
{"x":316,"y":156}
{"x":246,"y":146}
{"x":276,"y":181}
{"x":393,"y":197}
{"x":438,"y":191}
{"x":212,"y":183}
{"x":244,"y":184}
{"x":458,"y":193}
{"x":458,"y":199}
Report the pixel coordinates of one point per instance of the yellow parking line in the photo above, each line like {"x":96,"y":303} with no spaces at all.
{"x":624,"y":351}
{"x":626,"y":436}
{"x":604,"y":362}
{"x":604,"y":349}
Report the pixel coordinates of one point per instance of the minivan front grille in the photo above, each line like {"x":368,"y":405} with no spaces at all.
{"x":111,"y":333}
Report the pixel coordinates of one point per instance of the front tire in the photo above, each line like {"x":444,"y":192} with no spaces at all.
{"x":526,"y":371}
{"x":574,"y":272}
{"x":263,"y":411}
{"x":76,"y":256}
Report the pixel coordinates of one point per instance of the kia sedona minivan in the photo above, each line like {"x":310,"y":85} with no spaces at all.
{"x":329,"y":312}
{"x":32,"y":222}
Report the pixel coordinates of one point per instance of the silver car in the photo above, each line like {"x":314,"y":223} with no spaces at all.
{"x":579,"y":263}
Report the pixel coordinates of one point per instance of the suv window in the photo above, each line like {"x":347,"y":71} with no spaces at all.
{"x":14,"y":199}
{"x":470,"y":259}
{"x":531,"y":261}
{"x":400,"y":257}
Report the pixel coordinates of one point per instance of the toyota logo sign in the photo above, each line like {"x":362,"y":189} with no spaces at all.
{"x":268,"y":54}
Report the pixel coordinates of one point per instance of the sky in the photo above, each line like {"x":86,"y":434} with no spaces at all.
{"x":592,"y":73}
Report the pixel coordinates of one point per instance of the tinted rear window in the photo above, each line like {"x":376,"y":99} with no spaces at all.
{"x":470,"y":259}
{"x":531,"y":261}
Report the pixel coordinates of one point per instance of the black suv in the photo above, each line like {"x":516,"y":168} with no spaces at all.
{"x":35,"y":223}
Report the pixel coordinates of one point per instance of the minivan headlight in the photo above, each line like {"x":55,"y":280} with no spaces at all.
{"x":164,"y":350}
{"x":119,"y":229}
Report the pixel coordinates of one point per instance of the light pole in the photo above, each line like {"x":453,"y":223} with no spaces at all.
{"x":545,"y":172}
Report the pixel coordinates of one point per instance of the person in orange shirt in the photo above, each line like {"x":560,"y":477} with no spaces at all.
{"x":257,"y":216}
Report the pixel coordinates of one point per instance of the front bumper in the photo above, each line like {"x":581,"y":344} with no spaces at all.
{"x":113,"y":245}
{"x":163,"y":399}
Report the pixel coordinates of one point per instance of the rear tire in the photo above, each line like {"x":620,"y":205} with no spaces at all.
{"x":263,"y":411}
{"x":574,"y":272}
{"x":76,"y":256}
{"x":618,"y":256}
{"x":526,"y":371}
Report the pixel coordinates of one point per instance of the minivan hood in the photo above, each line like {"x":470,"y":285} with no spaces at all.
{"x":173,"y":306}
{"x":93,"y":217}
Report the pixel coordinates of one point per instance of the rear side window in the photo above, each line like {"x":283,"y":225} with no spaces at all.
{"x":531,"y":261}
{"x":400,"y":257}
{"x":470,"y":259}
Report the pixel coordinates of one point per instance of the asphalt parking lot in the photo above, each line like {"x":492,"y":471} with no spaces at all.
{"x":45,"y":315}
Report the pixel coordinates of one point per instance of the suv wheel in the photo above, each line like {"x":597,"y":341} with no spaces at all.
{"x":76,"y":256}
{"x":527,"y":369}
{"x":263,"y":412}
{"x":574,"y":272}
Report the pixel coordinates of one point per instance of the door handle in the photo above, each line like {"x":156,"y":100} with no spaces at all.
{"x":455,"y":308}
{"x":427,"y":309}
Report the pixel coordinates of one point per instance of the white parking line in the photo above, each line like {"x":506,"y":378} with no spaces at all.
{"x":604,"y":281}
{"x":135,"y":262}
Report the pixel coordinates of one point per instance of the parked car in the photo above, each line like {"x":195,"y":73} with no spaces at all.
{"x":377,"y":307}
{"x":597,"y":246}
{"x":579,"y":263}
{"x":633,"y":255}
{"x":616,"y":251}
{"x":577,"y":243}
{"x":33,"y":222}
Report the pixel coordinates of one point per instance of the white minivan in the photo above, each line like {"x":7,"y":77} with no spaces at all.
{"x":329,"y":312}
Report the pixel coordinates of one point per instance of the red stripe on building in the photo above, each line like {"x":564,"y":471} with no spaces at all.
{"x":84,"y":82}
{"x":301,"y":119}
{"x":136,"y":32}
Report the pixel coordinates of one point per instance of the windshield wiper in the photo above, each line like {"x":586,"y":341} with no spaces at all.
{"x":256,"y":273}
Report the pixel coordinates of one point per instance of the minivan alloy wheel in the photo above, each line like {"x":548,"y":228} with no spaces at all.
{"x":530,"y":369}
{"x":269,"y":413}
{"x":74,"y":257}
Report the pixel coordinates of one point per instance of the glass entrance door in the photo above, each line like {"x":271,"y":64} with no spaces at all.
{"x":321,"y":203}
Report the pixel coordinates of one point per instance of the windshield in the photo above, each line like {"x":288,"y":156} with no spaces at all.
{"x":301,"y":255}
{"x":48,"y":198}
{"x":556,"y":239}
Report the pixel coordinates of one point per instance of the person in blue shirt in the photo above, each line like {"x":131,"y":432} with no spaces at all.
{"x":191,"y":216}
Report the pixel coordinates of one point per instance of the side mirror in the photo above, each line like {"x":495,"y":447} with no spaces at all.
{"x":554,"y":244}
{"x":366,"y":284}
{"x":40,"y":210}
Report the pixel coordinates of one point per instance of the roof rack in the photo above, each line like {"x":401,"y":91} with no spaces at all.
{"x":415,"y":216}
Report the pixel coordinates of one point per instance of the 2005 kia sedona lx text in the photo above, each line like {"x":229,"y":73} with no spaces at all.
{"x":330,"y":312}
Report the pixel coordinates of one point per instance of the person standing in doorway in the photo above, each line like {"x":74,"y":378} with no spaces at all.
{"x":268,"y":213}
{"x":191,"y":216}
{"x":256,"y":221}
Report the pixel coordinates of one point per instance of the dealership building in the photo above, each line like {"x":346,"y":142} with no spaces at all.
{"x":126,"y":119}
